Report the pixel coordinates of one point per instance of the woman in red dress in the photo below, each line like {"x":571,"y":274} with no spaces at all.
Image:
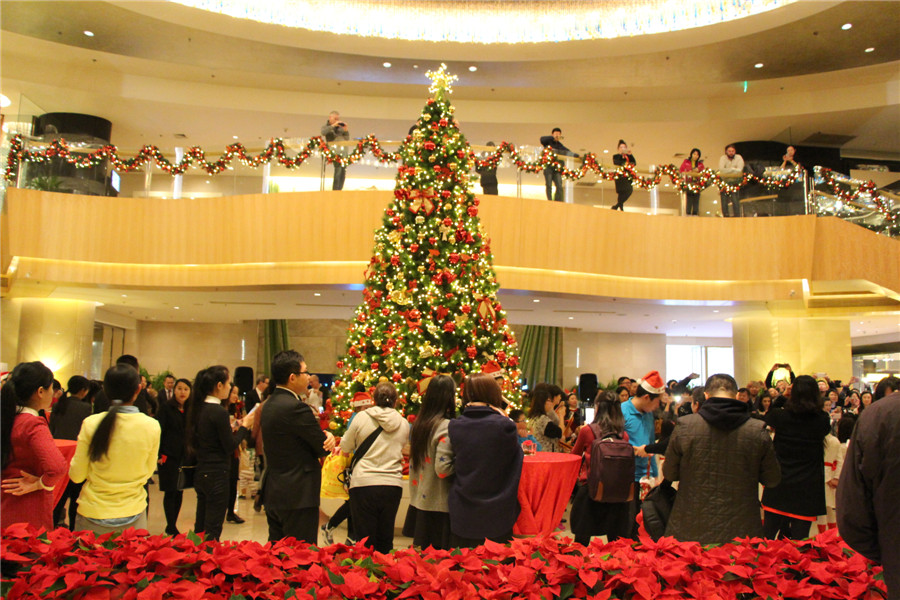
{"x":32,"y":463}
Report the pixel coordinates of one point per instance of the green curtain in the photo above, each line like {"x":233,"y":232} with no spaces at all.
{"x":275,"y":339}
{"x":541,"y":354}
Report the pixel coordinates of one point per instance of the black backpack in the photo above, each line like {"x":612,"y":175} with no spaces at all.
{"x":611,"y":476}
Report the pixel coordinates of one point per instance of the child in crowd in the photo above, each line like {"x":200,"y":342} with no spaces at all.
{"x":833,"y":462}
{"x":518,"y":417}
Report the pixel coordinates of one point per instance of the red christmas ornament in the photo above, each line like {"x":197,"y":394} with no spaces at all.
{"x":449,"y":326}
{"x":340,"y":364}
{"x":374,"y":366}
{"x":472,"y":211}
{"x":385,"y":311}
{"x":472,"y":351}
{"x":429,"y":145}
{"x":466,"y":308}
{"x":413,"y":248}
{"x":396,"y":377}
{"x":443,"y":122}
{"x":445,"y":193}
{"x":454,"y":258}
{"x":395,"y":260}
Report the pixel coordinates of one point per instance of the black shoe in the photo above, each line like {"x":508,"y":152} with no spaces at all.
{"x":233,"y":518}
{"x":172,"y":532}
{"x":258,"y":503}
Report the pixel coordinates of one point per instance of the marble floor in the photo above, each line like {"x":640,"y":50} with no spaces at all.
{"x":255,"y":527}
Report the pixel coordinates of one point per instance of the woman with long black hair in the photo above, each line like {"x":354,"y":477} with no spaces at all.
{"x":590,"y":517}
{"x":171,"y":417}
{"x":800,"y":428}
{"x":65,"y":423}
{"x":31,"y":462}
{"x":115,"y":457}
{"x":211,"y":438}
{"x":427,"y":492}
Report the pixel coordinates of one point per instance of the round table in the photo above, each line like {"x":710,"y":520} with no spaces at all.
{"x":544,"y":491}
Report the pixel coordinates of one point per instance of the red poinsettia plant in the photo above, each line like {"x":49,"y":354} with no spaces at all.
{"x":61,"y":564}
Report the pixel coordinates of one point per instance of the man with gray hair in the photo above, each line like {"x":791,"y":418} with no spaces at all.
{"x":720,"y":456}
{"x":336,"y":130}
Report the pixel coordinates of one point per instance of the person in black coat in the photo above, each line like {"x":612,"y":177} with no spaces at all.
{"x":488,"y":175}
{"x":294,"y":443}
{"x":800,"y":429}
{"x":483,"y":451}
{"x":624,"y":188}
{"x":171,"y":417}
{"x":212,"y":439}
{"x":65,"y":424}
{"x":551,"y":175}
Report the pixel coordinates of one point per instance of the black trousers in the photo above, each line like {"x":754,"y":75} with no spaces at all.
{"x":212,"y":502}
{"x":730,"y":204}
{"x":552,"y":176}
{"x":340,"y":173}
{"x":489,"y":189}
{"x":374,"y":509}
{"x":693,"y":203}
{"x":59,"y":512}
{"x":343,"y":512}
{"x":171,"y":507}
{"x":299,"y":523}
{"x":590,"y":518}
{"x":623,"y":193}
{"x":789,"y":527}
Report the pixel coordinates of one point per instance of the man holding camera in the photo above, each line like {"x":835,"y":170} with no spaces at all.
{"x":336,"y":130}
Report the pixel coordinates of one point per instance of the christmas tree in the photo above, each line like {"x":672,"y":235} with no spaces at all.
{"x":430,"y":302}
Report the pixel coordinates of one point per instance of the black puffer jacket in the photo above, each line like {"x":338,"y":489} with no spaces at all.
{"x":719,"y":456}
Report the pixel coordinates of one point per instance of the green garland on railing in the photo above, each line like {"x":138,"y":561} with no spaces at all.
{"x":196,"y":157}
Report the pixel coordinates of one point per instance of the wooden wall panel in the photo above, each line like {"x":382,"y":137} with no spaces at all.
{"x":262,"y":240}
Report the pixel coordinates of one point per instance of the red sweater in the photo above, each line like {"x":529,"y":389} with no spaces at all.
{"x":34,"y":452}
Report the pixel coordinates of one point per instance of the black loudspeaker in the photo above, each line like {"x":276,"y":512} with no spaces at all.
{"x":587,"y":387}
{"x":243,"y":378}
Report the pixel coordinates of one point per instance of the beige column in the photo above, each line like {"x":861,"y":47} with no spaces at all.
{"x":58,"y":333}
{"x":810,"y":346}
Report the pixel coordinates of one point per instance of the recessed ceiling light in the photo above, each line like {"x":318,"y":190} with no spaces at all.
{"x":536,"y":300}
{"x":177,"y":307}
{"x":870,"y":49}
{"x":473,"y":68}
{"x":846,"y":26}
{"x":124,"y":295}
{"x":234,"y":137}
{"x":4,"y":102}
{"x":758,"y":65}
{"x":571,"y":318}
{"x":606,"y":152}
{"x":715,"y":311}
{"x":88,"y":33}
{"x":415,"y":66}
{"x":387,"y":65}
{"x":316,"y":294}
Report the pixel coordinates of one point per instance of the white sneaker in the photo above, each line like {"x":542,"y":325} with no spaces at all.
{"x":328,"y":534}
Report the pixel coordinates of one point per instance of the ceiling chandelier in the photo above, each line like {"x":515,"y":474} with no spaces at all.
{"x":490,"y":21}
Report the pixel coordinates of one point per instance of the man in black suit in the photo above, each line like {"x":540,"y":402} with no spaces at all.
{"x":101,"y":402}
{"x":294,"y":444}
{"x":254,"y":396}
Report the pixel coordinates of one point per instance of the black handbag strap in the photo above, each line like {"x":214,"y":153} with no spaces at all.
{"x":364,"y":447}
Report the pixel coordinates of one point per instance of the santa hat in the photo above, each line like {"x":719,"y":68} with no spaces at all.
{"x":493,"y":369}
{"x":361,"y":399}
{"x":653,"y":383}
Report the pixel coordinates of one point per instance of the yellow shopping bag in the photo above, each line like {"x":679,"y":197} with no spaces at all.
{"x":332,"y":472}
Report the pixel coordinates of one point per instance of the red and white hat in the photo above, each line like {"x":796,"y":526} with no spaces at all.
{"x":653,"y":383}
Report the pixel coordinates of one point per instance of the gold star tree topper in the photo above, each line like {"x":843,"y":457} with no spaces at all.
{"x":440,"y":82}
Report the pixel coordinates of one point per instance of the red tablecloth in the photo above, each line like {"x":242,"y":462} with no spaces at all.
{"x":67,"y":447}
{"x":544,"y":490}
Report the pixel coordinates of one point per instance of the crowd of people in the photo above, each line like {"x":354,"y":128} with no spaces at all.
{"x":716,"y":444}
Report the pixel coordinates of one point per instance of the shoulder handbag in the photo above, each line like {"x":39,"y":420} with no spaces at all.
{"x":357,"y":456}
{"x":185,"y":477}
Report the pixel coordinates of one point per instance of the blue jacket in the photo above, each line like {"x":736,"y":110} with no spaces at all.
{"x":639,"y":427}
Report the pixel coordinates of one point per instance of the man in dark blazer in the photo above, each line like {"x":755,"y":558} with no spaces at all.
{"x":254,"y":396}
{"x":294,"y":444}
